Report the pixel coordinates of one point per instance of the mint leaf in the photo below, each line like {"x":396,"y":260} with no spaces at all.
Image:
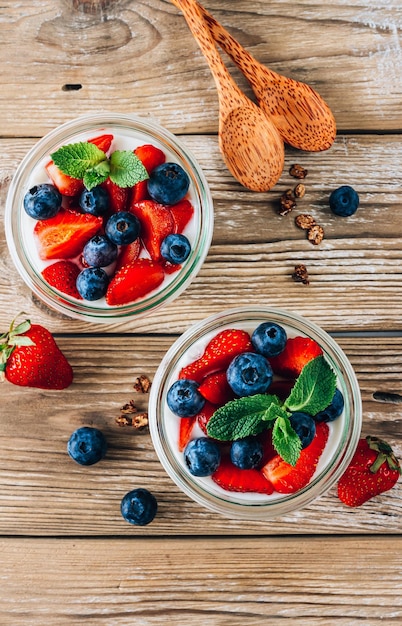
{"x":313,"y":389}
{"x":75,"y":159}
{"x":126,"y":169}
{"x":285,"y":440}
{"x":96,"y":175}
{"x":242,"y":417}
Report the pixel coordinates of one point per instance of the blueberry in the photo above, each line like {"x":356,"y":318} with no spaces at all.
{"x":96,"y":201}
{"x":344,"y":201}
{"x":332,"y":411}
{"x":122,"y":228}
{"x":202,"y":456}
{"x":246,"y":453}
{"x":175,"y":248}
{"x":249,"y":373}
{"x":87,"y":445}
{"x":92,"y":283}
{"x":168,"y":183}
{"x":99,"y":251}
{"x":269,"y":339}
{"x":42,"y":201}
{"x":139,"y":507}
{"x":304,"y":426}
{"x":184,"y":399}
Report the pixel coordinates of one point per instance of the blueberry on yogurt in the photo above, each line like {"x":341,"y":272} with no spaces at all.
{"x":168,"y":183}
{"x":269,"y":339}
{"x":42,"y":201}
{"x":175,"y":248}
{"x":202,"y":456}
{"x":184,"y":399}
{"x":249,"y":373}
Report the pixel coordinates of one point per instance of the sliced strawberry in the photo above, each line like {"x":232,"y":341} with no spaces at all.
{"x":205,"y":415}
{"x":182,"y":213}
{"x":232,"y":478}
{"x":185,"y":429}
{"x":67,"y":185}
{"x":103,"y":142}
{"x":287,"y":478}
{"x":63,"y":276}
{"x":216,"y":389}
{"x":150,"y":156}
{"x":118,"y":196}
{"x":298,"y":351}
{"x":156,"y":223}
{"x":128,"y":254}
{"x":64,"y":235}
{"x":134,"y":281}
{"x":218,"y":354}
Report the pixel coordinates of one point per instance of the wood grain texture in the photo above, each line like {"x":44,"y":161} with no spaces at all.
{"x":354,"y":272}
{"x":314,"y":581}
{"x":140,"y":57}
{"x":43,"y":492}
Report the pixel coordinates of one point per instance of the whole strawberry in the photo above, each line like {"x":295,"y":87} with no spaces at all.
{"x":373,"y":470}
{"x":30,"y":357}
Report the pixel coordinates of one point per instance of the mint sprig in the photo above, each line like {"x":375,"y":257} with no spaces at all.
{"x":312,"y":392}
{"x":85,"y":161}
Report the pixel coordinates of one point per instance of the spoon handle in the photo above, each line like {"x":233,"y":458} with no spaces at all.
{"x":239,"y":55}
{"x":224,"y":82}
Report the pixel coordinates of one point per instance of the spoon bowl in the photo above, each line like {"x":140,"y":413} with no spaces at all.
{"x":302,"y":117}
{"x":250,"y":143}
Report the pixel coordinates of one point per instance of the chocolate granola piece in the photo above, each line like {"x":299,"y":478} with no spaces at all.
{"x":297,"y":171}
{"x":315,"y":234}
{"x":142,"y":384}
{"x":287,"y":202}
{"x":305,"y":221}
{"x":300,"y":275}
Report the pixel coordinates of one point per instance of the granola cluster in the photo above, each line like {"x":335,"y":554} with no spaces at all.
{"x":129,"y":414}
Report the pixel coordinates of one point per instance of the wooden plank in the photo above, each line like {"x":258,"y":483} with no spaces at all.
{"x":212,"y":582}
{"x":42,"y":492}
{"x":354,"y":271}
{"x":141,"y":57}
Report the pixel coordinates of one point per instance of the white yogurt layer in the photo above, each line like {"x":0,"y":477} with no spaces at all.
{"x":172,"y":423}
{"x":128,"y":141}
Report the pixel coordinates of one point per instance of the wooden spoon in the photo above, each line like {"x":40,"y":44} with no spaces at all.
{"x":302,"y":117}
{"x":250,"y":143}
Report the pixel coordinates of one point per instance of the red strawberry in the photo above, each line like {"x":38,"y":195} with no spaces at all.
{"x":128,"y":254}
{"x":67,"y":185}
{"x":103,"y":142}
{"x":64,"y":235}
{"x":156,"y":223}
{"x":118,"y":196}
{"x":205,"y":415}
{"x":30,"y":357}
{"x":298,"y":351}
{"x":182,"y":213}
{"x":218,"y":354}
{"x":150,"y":156}
{"x":134,"y":281}
{"x":374,"y":469}
{"x":185,"y":429}
{"x":287,"y":478}
{"x":232,"y":478}
{"x":63,"y":276}
{"x":216,"y":389}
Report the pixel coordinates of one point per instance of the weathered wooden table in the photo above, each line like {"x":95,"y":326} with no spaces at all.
{"x":67,"y":556}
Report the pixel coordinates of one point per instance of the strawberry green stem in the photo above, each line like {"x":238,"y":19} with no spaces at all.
{"x":385,"y":455}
